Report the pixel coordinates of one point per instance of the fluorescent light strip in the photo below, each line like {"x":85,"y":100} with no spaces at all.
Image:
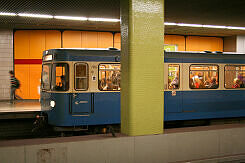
{"x":204,"y":26}
{"x":7,"y":14}
{"x":35,"y":15}
{"x":71,"y":18}
{"x":103,"y":20}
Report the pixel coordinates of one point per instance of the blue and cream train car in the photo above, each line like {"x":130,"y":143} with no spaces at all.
{"x":210,"y":85}
{"x":81,"y":87}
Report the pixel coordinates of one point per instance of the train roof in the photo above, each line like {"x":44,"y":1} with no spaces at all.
{"x":76,"y":54}
{"x":113,"y":55}
{"x":204,"y":57}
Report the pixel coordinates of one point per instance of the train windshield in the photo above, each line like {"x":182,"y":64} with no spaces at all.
{"x":60,"y":77}
{"x":46,"y":76}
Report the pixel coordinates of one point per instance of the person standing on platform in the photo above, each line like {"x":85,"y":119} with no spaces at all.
{"x":15,"y":84}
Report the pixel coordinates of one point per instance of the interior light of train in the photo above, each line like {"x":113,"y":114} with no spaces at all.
{"x":103,"y":20}
{"x":7,"y":14}
{"x":71,"y":18}
{"x":35,"y":15}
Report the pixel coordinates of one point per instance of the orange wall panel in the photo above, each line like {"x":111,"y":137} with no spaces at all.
{"x":175,"y":40}
{"x":89,"y":39}
{"x":21,"y":45}
{"x":105,"y":40}
{"x":198,"y":43}
{"x":35,"y":77}
{"x":52,"y":39}
{"x":117,"y":41}
{"x":72,"y":39}
{"x":22,"y":74}
{"x":37,"y":44}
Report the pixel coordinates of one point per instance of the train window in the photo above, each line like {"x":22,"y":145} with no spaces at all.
{"x":234,"y":76}
{"x":46,"y":77}
{"x":173,"y":76}
{"x":60,"y":77}
{"x":204,"y":77}
{"x":109,"y":77}
{"x":81,"y":76}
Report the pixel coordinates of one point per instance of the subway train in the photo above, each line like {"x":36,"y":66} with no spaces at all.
{"x":81,"y":87}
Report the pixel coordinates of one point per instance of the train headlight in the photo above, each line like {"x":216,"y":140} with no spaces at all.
{"x":52,"y":104}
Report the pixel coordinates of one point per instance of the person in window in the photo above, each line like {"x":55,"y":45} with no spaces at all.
{"x":175,"y":83}
{"x":63,"y":83}
{"x":102,"y":84}
{"x":236,"y":83}
{"x":196,"y":82}
{"x":201,"y":83}
{"x":191,"y":81}
{"x":241,"y":79}
{"x":207,"y":83}
{"x":213,"y":83}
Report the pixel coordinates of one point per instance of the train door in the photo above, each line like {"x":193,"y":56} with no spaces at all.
{"x":81,"y":101}
{"x":172,"y":86}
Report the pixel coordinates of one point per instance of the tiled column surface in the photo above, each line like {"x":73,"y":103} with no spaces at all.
{"x":234,"y":44}
{"x":142,"y":67}
{"x":6,"y":62}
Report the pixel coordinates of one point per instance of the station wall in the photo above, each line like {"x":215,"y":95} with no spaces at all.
{"x":28,"y":48}
{"x":29,"y":45}
{"x":6,"y":62}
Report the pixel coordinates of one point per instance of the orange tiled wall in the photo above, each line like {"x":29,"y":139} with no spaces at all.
{"x":85,"y":39}
{"x":28,"y":48}
{"x":198,"y":43}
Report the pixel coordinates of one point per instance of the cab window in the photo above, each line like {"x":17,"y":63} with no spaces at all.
{"x":81,"y":76}
{"x":46,"y":76}
{"x":60,"y":77}
{"x":234,"y":76}
{"x":173,"y":76}
{"x":204,"y":77}
{"x":109,"y":77}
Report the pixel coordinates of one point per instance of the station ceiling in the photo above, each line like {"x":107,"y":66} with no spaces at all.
{"x":209,"y":12}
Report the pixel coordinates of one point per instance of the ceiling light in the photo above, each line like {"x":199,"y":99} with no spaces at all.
{"x":7,"y":14}
{"x":214,"y":26}
{"x":70,"y":18}
{"x":104,"y":20}
{"x":167,"y":23}
{"x":240,"y":28}
{"x":204,"y":26}
{"x":189,"y":25}
{"x":35,"y":15}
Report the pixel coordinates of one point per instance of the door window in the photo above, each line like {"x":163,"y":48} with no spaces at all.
{"x":81,"y":76}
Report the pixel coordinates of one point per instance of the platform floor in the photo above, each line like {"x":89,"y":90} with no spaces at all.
{"x":20,"y":106}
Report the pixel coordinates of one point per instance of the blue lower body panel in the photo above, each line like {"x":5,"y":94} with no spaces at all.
{"x":205,"y":104}
{"x":84,"y":109}
{"x":104,"y":107}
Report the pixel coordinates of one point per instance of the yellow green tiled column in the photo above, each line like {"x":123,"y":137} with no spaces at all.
{"x":142,"y":32}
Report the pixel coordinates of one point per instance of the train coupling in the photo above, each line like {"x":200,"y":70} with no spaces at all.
{"x":40,"y":123}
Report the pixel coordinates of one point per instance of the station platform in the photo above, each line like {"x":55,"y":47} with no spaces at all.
{"x":20,"y":106}
{"x":218,"y":143}
{"x":19,"y":109}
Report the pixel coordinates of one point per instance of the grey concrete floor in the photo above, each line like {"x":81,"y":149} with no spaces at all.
{"x":20,"y":106}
